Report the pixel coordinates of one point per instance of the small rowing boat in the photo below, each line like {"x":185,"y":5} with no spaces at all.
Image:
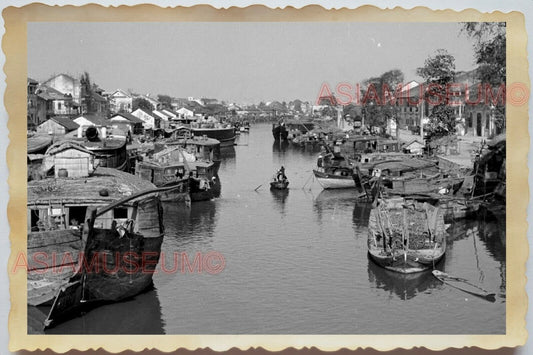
{"x":464,"y":285}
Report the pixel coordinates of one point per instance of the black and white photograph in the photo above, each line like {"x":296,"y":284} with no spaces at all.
{"x":274,"y":177}
{"x":301,"y":178}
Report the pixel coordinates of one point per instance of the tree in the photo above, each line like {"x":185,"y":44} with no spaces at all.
{"x":378,"y":99}
{"x":490,"y":53}
{"x":490,"y":49}
{"x":87,"y":99}
{"x":166,"y":101}
{"x":141,"y":103}
{"x":438,"y":72}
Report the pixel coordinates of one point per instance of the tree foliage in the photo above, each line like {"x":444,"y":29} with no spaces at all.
{"x":166,"y":101}
{"x":378,"y":98}
{"x":490,"y":49}
{"x":142,"y":103}
{"x":438,"y":72}
{"x":88,"y":104}
{"x":490,"y":53}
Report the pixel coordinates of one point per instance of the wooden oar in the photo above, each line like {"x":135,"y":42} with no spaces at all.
{"x":463,"y":285}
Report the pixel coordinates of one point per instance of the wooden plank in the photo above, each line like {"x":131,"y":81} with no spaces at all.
{"x":45,"y":238}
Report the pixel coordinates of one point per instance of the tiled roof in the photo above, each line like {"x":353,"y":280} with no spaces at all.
{"x":65,"y":122}
{"x":48,"y":93}
{"x":97,"y":120}
{"x":128,"y":116}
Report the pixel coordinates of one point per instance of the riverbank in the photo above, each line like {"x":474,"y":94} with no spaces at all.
{"x":466,"y":148}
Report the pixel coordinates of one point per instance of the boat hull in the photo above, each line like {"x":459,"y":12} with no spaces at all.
{"x":226,"y":136}
{"x":115,"y":269}
{"x":279,"y":185}
{"x":407,"y":263}
{"x":331,"y":181}
{"x":280,"y":133}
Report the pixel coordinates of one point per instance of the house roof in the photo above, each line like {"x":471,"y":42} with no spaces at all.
{"x":128,"y":116}
{"x":65,"y":122}
{"x":165,"y":110}
{"x":64,"y":145}
{"x":99,"y":97}
{"x":48,"y":93}
{"x":32,"y":81}
{"x":150,"y":99}
{"x":62,"y":74}
{"x":160,"y":114}
{"x":411,"y":89}
{"x":121,"y":92}
{"x":411,"y":142}
{"x":94,"y":119}
{"x":149,"y":113}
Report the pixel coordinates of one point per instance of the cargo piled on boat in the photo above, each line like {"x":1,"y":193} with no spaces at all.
{"x":406,"y":235}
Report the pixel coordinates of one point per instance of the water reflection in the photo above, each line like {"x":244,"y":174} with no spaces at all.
{"x":361,"y":214}
{"x":280,"y":197}
{"x":228,"y":156}
{"x":487,"y":228}
{"x":329,"y":202}
{"x":280,"y":146}
{"x":139,"y":315}
{"x":190,"y":225}
{"x":485,"y":236}
{"x":404,"y":286}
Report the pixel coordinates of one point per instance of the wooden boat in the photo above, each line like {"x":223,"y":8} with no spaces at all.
{"x":280,"y":132}
{"x":464,"y":285}
{"x":279,"y":185}
{"x":279,"y":180}
{"x":403,"y":286}
{"x":296,"y":127}
{"x":411,"y":176}
{"x":406,"y":235}
{"x":91,"y":239}
{"x":224,"y":133}
{"x":172,"y":167}
{"x":109,"y":151}
{"x":334,"y":172}
{"x":489,"y":173}
{"x":38,"y":143}
{"x":203,"y":148}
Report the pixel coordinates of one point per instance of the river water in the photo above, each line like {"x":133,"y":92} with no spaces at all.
{"x":296,"y":263}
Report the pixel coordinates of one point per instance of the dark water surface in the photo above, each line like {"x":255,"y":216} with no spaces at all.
{"x":296,"y":262}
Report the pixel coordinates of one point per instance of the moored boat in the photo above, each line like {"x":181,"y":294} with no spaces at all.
{"x":175,"y":166}
{"x":406,"y":235}
{"x":224,"y":133}
{"x":109,"y":151}
{"x":334,"y":172}
{"x":91,"y":239}
{"x":203,"y":148}
{"x":38,"y":143}
{"x":280,"y":132}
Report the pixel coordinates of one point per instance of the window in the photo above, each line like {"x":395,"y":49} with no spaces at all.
{"x":470,"y":119}
{"x":59,"y":105}
{"x":120,"y":213}
{"x":487,"y":122}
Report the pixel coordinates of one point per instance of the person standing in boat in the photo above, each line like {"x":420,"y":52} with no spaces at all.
{"x":281,"y":174}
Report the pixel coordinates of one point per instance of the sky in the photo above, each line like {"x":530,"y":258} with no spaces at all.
{"x":238,"y":62}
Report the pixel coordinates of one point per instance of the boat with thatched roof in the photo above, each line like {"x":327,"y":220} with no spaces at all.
{"x":38,"y":143}
{"x":94,"y":235}
{"x":110,"y":151}
{"x":175,"y":166}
